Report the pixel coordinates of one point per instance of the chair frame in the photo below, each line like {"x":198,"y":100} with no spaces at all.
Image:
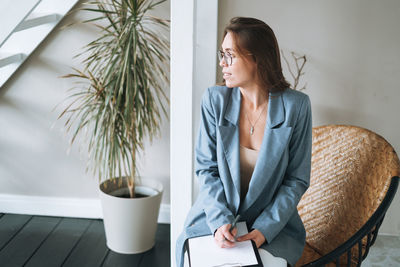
{"x":369,"y":230}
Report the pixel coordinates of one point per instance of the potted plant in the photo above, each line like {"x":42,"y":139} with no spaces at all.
{"x":119,"y":100}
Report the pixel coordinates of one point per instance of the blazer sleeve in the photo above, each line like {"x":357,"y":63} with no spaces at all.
{"x":212,"y":191}
{"x":296,"y":180}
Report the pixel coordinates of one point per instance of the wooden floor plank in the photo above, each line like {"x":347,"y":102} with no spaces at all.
{"x":122,"y":260}
{"x":25,"y":243}
{"x":10,"y":225}
{"x":59,"y":243}
{"x":159,"y":255}
{"x":48,"y":241}
{"x":91,"y":249}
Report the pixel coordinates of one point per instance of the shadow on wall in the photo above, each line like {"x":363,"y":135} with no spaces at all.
{"x":31,"y":154}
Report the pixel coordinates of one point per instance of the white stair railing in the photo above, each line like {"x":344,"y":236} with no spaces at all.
{"x":7,"y":60}
{"x":12,"y":13}
{"x":24,"y":25}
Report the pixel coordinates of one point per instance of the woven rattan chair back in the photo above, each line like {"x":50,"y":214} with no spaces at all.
{"x":351,"y":172}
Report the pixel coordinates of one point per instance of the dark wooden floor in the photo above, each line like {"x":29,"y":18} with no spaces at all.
{"x":38,"y":241}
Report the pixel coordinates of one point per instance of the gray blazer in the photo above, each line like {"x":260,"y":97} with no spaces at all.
{"x":281,"y":174}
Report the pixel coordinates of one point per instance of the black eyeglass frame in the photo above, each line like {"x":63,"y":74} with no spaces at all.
{"x":226,"y":56}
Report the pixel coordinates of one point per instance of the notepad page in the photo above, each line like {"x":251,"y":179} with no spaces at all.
{"x":204,"y":252}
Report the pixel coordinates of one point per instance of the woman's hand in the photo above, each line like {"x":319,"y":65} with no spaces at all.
{"x":224,"y":238}
{"x":254,"y":235}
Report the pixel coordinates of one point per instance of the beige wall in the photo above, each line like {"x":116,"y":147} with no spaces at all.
{"x":33,"y":144}
{"x":353,"y":64}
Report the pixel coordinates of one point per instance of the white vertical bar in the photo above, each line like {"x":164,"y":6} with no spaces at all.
{"x":194,"y":27}
{"x":181,"y":155}
{"x":205,"y":59}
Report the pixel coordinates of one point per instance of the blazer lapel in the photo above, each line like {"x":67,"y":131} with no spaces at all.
{"x":229,"y":130}
{"x":274,"y":142}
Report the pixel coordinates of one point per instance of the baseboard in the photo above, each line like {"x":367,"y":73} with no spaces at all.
{"x":63,"y":207}
{"x":388,"y":234}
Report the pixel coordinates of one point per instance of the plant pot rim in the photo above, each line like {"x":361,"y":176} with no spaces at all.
{"x":111,"y":185}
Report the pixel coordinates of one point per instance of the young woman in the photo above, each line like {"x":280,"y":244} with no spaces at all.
{"x":253,"y":152}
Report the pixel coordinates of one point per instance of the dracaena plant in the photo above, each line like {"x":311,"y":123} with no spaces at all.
{"x":120,"y":95}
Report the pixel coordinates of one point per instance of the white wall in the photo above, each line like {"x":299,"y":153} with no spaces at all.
{"x":353,"y":64}
{"x":33,"y":144}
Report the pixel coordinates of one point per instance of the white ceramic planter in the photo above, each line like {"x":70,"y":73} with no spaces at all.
{"x":130,"y":223}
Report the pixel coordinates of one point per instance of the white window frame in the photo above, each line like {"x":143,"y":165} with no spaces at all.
{"x":194,"y":28}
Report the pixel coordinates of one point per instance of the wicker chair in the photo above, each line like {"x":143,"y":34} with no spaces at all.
{"x":354,"y":178}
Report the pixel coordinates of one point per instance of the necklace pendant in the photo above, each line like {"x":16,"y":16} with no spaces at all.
{"x":251,"y":130}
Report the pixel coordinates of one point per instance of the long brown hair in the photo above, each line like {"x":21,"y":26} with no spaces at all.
{"x":255,"y":37}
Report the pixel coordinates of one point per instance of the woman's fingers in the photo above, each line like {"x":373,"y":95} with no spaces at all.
{"x":227,"y":234}
{"x":224,"y":238}
{"x":223,"y":242}
{"x":244,"y":237}
{"x":219,"y":237}
{"x":259,"y":237}
{"x":234,"y":233}
{"x":227,"y":244}
{"x":254,"y":235}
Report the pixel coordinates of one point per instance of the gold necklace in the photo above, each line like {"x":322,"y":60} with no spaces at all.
{"x":252,"y":125}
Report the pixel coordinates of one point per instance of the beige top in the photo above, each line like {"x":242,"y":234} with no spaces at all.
{"x":248,"y":159}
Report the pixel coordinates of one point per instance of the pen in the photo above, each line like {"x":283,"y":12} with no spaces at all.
{"x":234,"y":223}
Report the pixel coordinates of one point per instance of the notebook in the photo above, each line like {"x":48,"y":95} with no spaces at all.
{"x":204,"y":252}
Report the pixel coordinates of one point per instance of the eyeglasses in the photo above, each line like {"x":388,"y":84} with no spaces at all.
{"x":228,"y":58}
